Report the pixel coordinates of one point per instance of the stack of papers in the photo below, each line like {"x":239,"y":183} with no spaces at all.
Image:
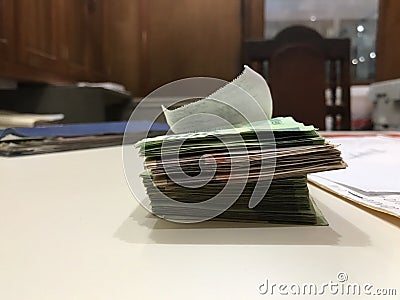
{"x":372,"y":176}
{"x":12,"y":119}
{"x":267,"y":177}
{"x":51,"y":139}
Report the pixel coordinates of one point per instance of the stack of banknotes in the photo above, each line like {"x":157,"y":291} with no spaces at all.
{"x":253,"y":172}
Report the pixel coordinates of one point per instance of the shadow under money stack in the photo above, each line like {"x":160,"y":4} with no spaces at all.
{"x":251,"y":173}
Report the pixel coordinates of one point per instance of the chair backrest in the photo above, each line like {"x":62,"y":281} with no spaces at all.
{"x":302,"y":66}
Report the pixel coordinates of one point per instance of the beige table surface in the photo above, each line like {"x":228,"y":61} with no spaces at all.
{"x":71,"y":229}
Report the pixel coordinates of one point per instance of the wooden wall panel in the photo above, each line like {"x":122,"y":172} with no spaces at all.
{"x":186,"y":38}
{"x":388,"y":44}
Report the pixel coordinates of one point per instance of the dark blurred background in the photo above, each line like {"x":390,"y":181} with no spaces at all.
{"x":144,"y":44}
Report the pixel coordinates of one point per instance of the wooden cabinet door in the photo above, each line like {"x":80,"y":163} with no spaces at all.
{"x":96,"y":35}
{"x":6,"y":28}
{"x":192,"y":38}
{"x":123,"y":42}
{"x":74,"y":37}
{"x":81,"y":32}
{"x":38,"y":30}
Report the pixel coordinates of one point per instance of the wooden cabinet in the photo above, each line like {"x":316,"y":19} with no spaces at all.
{"x":37,"y":30}
{"x":142,"y":44}
{"x":52,"y":40}
{"x":73,"y":41}
{"x":81,"y":44}
{"x":123,"y":42}
{"x":194,"y":38}
{"x":96,"y":34}
{"x":152,"y":42}
{"x":6,"y":34}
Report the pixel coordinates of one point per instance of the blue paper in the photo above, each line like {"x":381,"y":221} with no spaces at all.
{"x":75,"y":130}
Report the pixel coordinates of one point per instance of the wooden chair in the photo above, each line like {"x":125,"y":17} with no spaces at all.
{"x":302,"y":65}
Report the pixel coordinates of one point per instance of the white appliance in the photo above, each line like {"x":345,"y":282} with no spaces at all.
{"x":386,"y":98}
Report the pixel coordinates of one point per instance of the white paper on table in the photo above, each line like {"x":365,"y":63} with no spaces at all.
{"x":374,"y":164}
{"x":389,"y":204}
